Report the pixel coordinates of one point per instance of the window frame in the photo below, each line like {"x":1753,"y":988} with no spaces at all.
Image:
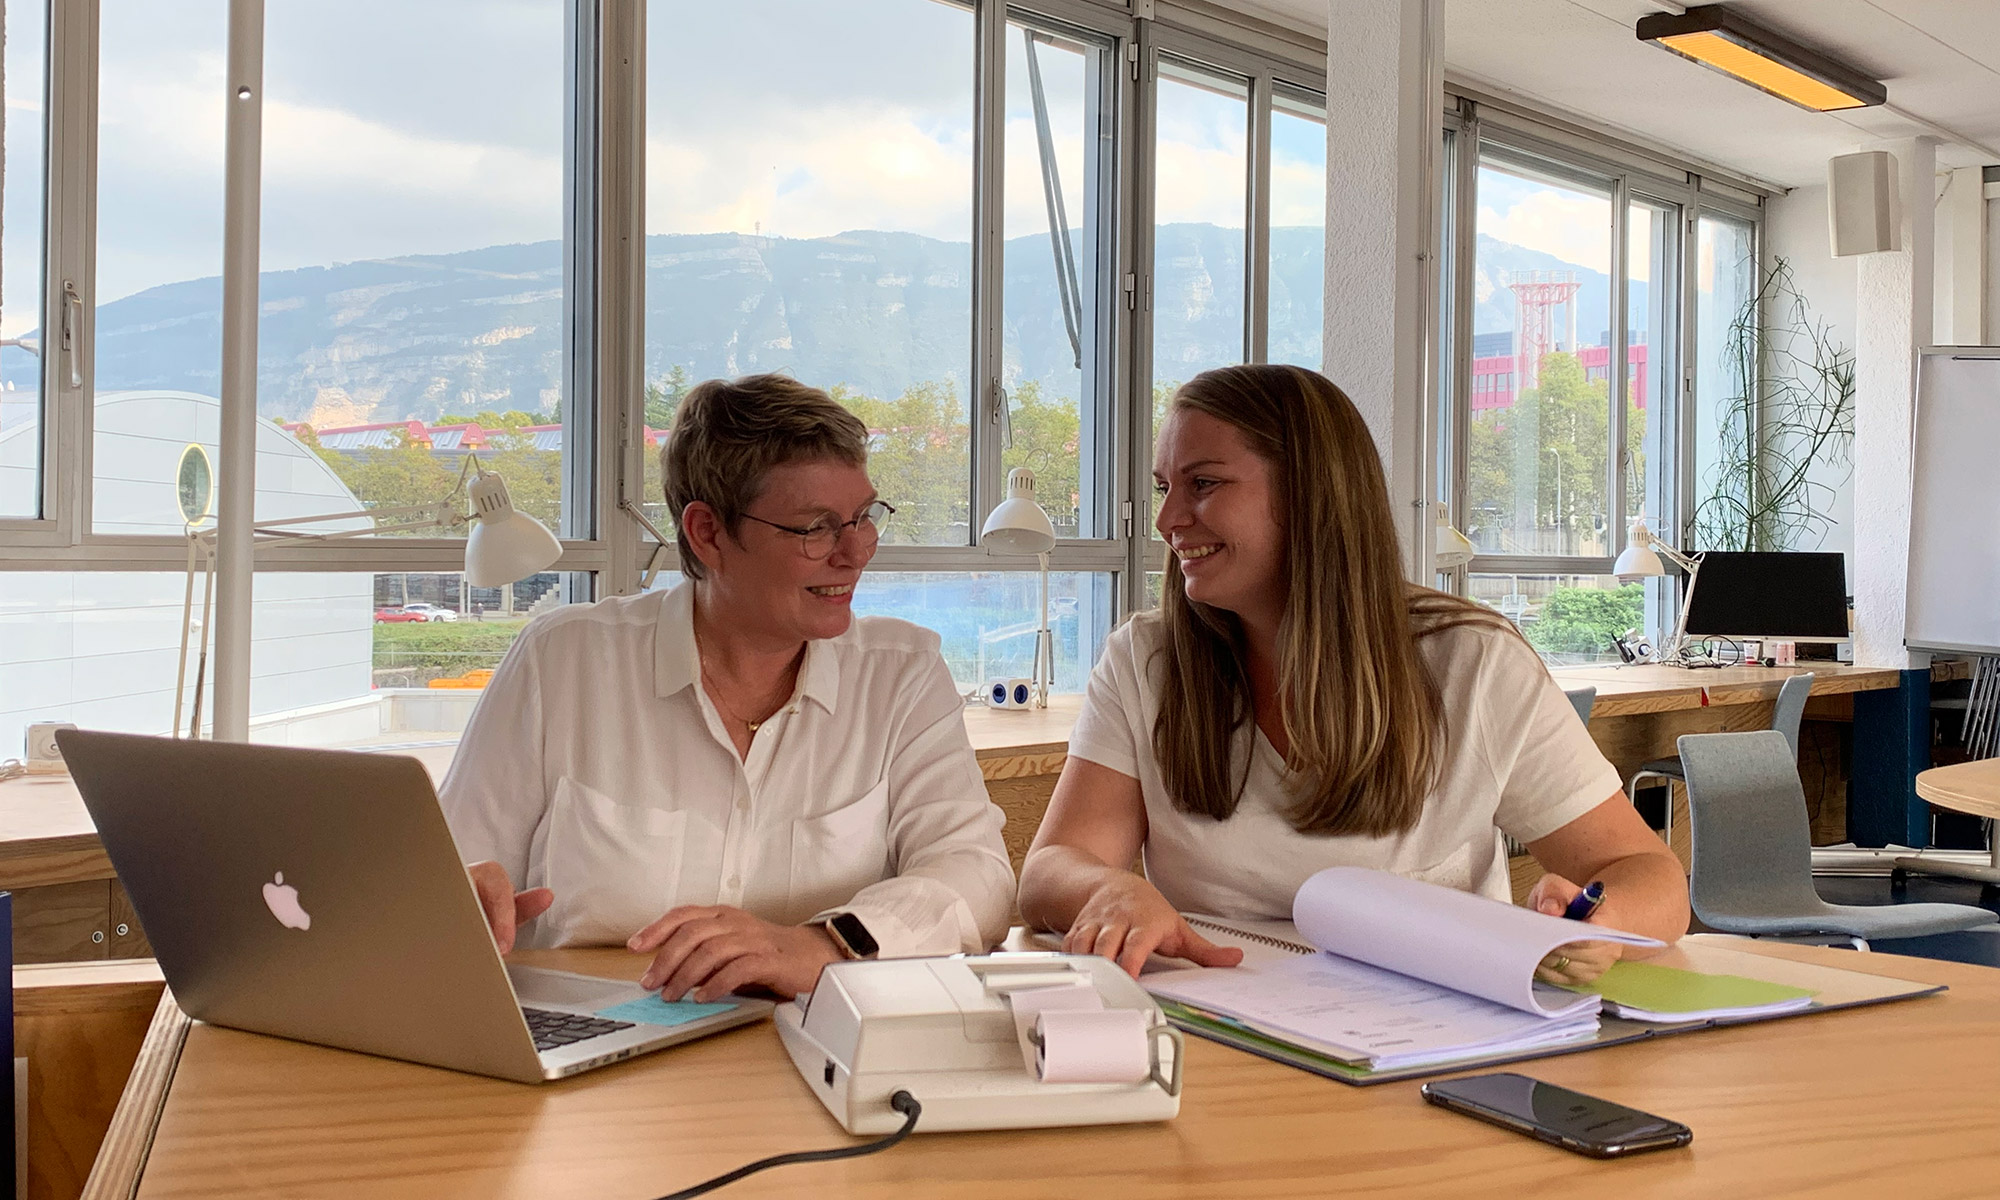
{"x":1474,"y":123}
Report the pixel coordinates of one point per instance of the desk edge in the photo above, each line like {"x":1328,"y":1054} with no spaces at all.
{"x":121,"y":1158}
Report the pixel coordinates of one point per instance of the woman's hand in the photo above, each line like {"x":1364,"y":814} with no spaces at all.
{"x":506,"y":909}
{"x":715,"y":949}
{"x":1127,"y":918}
{"x":1574,"y":962}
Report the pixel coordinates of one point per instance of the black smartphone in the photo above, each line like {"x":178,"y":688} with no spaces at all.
{"x":1557,"y":1115}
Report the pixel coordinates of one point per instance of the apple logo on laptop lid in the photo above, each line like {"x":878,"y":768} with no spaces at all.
{"x":283,"y":901}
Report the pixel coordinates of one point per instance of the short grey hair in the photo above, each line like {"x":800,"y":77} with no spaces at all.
{"x":729,"y":433}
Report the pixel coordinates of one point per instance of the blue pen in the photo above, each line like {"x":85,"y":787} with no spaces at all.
{"x":1586,"y":903}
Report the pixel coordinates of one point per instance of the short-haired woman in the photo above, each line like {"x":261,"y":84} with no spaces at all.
{"x":736,"y":776}
{"x":1294,"y":705}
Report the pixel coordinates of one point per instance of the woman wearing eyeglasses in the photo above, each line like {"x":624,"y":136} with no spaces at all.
{"x":1294,"y":705}
{"x":736,"y":777}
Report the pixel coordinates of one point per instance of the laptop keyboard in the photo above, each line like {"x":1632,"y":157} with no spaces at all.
{"x":553,"y":1030}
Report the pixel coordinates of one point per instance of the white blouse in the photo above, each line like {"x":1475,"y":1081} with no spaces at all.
{"x":1516,"y":760}
{"x":596,"y":766}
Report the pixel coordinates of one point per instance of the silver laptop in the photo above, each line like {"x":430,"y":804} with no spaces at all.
{"x":317,"y":895}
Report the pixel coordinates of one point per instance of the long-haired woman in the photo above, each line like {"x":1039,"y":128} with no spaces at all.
{"x":1294,"y":704}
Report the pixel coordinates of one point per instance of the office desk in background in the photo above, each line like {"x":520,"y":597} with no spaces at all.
{"x":1900,"y":1099}
{"x":70,"y":907}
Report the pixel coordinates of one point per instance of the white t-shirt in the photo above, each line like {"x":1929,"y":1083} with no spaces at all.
{"x":596,"y":765}
{"x":1516,"y":760}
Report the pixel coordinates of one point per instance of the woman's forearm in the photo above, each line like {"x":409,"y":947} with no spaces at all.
{"x":1057,"y":881}
{"x":1645,"y":894}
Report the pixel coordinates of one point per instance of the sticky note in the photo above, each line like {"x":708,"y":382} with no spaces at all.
{"x":652,"y":1010}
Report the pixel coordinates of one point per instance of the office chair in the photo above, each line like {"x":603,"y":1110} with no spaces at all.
{"x":1785,"y":717}
{"x":1752,"y":843}
{"x":1582,"y":699}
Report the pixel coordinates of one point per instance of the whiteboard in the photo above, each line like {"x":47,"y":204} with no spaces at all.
{"x":1953,"y":596}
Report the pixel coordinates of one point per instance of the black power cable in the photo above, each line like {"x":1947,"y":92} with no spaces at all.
{"x":902,"y":1102}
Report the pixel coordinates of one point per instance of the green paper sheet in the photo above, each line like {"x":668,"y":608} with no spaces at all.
{"x":1639,"y":988}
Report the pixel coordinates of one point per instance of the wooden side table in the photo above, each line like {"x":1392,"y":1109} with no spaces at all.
{"x":1972,"y":787}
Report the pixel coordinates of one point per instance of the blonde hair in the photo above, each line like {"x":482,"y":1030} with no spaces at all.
{"x":1362,"y":715}
{"x":729,"y":433}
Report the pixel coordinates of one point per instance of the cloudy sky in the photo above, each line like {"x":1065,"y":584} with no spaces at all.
{"x":397,"y":128}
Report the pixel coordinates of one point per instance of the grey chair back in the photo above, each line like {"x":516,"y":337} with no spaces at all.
{"x":1791,"y":709}
{"x":1582,"y":699}
{"x":1750,"y":838}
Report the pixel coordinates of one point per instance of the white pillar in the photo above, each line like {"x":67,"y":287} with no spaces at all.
{"x":1892,"y":320}
{"x":1383,"y":141}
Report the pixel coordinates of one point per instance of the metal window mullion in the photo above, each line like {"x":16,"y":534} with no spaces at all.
{"x":1465,"y":249}
{"x":1685,"y":415}
{"x":1465,"y":263}
{"x":386,"y":556}
{"x":986,"y":404}
{"x":618,"y":241}
{"x":1536,"y":564}
{"x":584,"y":421}
{"x":1257,"y":223}
{"x":1615,"y":369}
{"x":236,"y":468}
{"x":1143,"y":549}
{"x":68,"y":216}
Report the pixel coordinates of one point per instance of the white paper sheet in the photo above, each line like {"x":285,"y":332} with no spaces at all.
{"x":1444,"y":936}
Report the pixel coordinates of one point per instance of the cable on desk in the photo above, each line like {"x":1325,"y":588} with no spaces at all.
{"x":902,"y":1102}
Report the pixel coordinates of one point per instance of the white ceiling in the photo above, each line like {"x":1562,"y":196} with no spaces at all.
{"x":1940,"y":60}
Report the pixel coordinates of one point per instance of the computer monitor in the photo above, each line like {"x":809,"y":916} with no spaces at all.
{"x":1796,"y":597}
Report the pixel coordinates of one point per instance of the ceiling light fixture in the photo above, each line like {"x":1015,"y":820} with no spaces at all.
{"x":1721,"y":39}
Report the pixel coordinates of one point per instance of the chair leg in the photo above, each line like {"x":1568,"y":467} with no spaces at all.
{"x":1667,"y":811}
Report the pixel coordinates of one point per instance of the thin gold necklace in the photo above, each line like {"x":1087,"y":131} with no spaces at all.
{"x":715,"y":694}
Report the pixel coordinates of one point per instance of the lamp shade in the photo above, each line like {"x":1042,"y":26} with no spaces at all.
{"x":1639,"y":559}
{"x":1454,"y":549}
{"x":1018,"y":525}
{"x":504,"y":544}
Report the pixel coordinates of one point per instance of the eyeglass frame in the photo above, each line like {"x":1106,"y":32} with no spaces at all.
{"x":837,"y":528}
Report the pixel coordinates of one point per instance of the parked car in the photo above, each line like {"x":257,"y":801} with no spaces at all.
{"x":397,"y":615}
{"x":431,"y":612}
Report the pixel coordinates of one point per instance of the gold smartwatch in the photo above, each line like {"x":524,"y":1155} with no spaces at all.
{"x":851,"y":936}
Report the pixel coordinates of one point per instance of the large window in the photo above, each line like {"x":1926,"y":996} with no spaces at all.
{"x":1725,"y":281}
{"x":1057,"y":350}
{"x":1295,"y":301}
{"x":990,"y":231}
{"x":815,"y":217}
{"x":1563,"y":355}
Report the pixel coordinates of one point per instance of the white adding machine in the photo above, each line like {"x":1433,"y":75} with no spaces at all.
{"x":1002,"y":1041}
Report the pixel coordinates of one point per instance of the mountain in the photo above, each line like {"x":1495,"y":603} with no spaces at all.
{"x":425,"y":335}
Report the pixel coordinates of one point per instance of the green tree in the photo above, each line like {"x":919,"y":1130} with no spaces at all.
{"x":1521,"y":489}
{"x":1583,"y":620}
{"x":1047,"y":436}
{"x":920,"y":459}
{"x":664,"y":396}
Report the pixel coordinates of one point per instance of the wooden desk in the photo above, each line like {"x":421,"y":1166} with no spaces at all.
{"x":1896,"y":1100}
{"x":1969,"y":787}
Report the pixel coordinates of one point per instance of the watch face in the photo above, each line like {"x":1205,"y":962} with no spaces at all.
{"x":855,"y":934}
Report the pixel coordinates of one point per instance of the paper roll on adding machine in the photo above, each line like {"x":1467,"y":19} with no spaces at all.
{"x":1009,"y":1041}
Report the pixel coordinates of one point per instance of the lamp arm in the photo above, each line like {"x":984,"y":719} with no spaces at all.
{"x":1685,"y":562}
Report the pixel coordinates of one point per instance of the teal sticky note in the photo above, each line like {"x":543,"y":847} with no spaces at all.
{"x":654,"y":1011}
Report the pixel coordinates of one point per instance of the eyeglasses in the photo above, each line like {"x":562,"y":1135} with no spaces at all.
{"x":818,"y":539}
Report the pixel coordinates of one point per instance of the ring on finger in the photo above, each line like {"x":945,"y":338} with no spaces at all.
{"x":1561,"y":962}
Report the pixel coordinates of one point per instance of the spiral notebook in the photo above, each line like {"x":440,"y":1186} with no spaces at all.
{"x":1380,"y":978}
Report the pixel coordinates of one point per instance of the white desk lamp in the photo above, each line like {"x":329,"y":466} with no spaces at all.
{"x":1018,"y":526}
{"x":503,"y":546}
{"x":1454,"y":549}
{"x":1641,"y":559}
